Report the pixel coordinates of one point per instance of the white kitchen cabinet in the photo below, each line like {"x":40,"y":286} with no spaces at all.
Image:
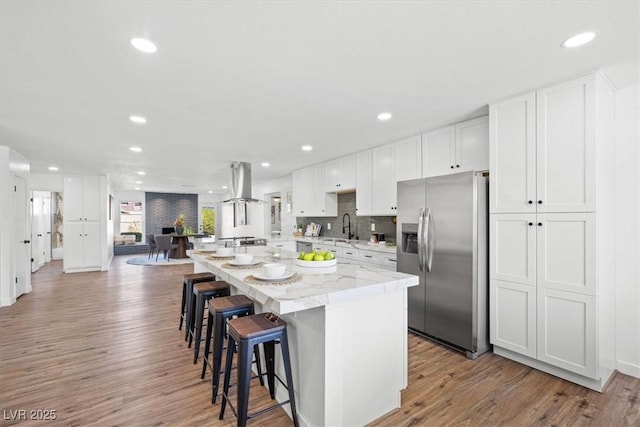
{"x":543,"y":150}
{"x":82,"y":198}
{"x":550,"y":235}
{"x":384,"y":260}
{"x":81,"y":245}
{"x":378,"y":172}
{"x":513,"y":317}
{"x":459,"y":148}
{"x":363,"y":183}
{"x":287,"y":245}
{"x":341,"y":174}
{"x":321,"y":247}
{"x":567,"y":331}
{"x":309,"y":197}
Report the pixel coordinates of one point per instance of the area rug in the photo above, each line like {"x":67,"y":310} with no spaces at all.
{"x":161,"y":261}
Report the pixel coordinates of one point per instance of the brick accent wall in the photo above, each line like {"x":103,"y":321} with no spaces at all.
{"x":161,"y":209}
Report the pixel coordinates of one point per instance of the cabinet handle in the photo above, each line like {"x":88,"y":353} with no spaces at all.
{"x":26,"y":242}
{"x":367,"y":256}
{"x":457,"y":166}
{"x":530,"y":202}
{"x":530,"y":224}
{"x":391,"y":259}
{"x":539,"y":224}
{"x":539,"y":202}
{"x":451,"y":166}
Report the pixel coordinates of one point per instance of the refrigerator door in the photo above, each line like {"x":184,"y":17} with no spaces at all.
{"x":450,"y":281}
{"x":411,"y":199}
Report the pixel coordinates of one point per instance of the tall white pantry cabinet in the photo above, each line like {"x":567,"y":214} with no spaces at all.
{"x":552,"y":230}
{"x":83,"y":203}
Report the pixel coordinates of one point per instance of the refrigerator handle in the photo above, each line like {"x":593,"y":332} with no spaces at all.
{"x":421,"y":242}
{"x":428,"y":238}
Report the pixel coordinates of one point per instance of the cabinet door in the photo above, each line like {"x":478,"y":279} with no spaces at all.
{"x":91,"y":199}
{"x":438,"y":152}
{"x":302,"y":187}
{"x":472,"y":145}
{"x":567,"y":331}
{"x":513,"y":317}
{"x":513,"y":248}
{"x":91,"y":244}
{"x":73,"y":244}
{"x":347,"y":168}
{"x":383,"y":180}
{"x":332,"y":176}
{"x":363,"y":183}
{"x":566,"y":252}
{"x":566,"y":147}
{"x":323,"y":204}
{"x":512,"y":155}
{"x":408,"y":158}
{"x":73,"y":198}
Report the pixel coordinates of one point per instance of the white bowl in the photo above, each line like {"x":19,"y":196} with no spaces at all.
{"x":274,"y":269}
{"x":224,"y":251}
{"x":244,"y":258}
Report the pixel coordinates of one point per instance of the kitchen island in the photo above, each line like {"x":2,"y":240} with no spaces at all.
{"x":347,"y":334}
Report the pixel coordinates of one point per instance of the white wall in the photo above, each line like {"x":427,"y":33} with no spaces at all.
{"x":627,"y":207}
{"x":46,"y":182}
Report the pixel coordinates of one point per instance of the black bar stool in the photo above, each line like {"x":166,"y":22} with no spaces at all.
{"x":248,"y":331}
{"x":203,"y":292}
{"x":187,"y":290}
{"x":221,"y":310}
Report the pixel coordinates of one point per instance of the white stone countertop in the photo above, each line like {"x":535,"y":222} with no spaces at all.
{"x":346,"y":282}
{"x":359,"y":244}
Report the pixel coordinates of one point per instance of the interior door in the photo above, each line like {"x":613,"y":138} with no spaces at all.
{"x":21,"y":242}
{"x":47,"y":223}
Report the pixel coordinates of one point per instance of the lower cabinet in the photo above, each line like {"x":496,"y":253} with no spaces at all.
{"x":567,"y":331}
{"x":289,"y":245}
{"x":513,"y":317}
{"x":81,"y":245}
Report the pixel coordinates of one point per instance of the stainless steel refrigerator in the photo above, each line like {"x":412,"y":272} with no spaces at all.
{"x":442,"y":229}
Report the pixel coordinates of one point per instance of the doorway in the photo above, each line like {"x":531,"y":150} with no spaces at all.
{"x":40,"y":229}
{"x":275,"y":214}
{"x":20,"y":266}
{"x":208,"y":220}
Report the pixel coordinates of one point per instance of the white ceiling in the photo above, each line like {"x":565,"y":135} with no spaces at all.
{"x":254,"y":81}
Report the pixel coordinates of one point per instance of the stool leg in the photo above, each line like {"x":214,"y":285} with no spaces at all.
{"x":191,"y":322}
{"x":256,"y":353}
{"x":244,"y":381}
{"x":201,"y":303}
{"x":187,"y":308}
{"x":219,"y":324}
{"x":207,"y":344}
{"x":183,"y":305}
{"x":284,"y":348}
{"x":231,"y":344}
{"x":269,"y":356}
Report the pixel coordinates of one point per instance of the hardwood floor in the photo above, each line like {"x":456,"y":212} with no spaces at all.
{"x":104,"y":349}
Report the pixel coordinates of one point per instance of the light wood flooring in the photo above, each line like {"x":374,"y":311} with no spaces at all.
{"x":104,"y":349}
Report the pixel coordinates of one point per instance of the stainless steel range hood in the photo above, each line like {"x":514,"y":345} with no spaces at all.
{"x":241,"y":184}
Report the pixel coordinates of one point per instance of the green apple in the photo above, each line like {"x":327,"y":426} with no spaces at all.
{"x":318,"y":257}
{"x":309,"y":256}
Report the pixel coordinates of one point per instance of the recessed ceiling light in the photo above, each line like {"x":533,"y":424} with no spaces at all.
{"x":53,"y":168}
{"x":210,"y":191}
{"x":143,"y":45}
{"x":265,"y":164}
{"x":384,"y":116}
{"x":136,"y":149}
{"x":307,"y":148}
{"x":138,"y":182}
{"x":136,"y":188}
{"x":224,"y":187}
{"x":141,"y":173}
{"x":579,"y":39}
{"x":138,"y":119}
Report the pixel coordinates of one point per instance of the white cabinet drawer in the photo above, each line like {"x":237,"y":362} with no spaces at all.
{"x":379,"y":259}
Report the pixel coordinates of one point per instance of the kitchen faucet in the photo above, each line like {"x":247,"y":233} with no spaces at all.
{"x":348,"y":225}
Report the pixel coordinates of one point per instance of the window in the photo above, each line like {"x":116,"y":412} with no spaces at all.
{"x":130,"y":217}
{"x":209,"y":221}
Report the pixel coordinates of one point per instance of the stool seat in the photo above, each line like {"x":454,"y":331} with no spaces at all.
{"x":202,"y":292}
{"x":195,"y":276}
{"x":257,"y":326}
{"x":234,"y":302}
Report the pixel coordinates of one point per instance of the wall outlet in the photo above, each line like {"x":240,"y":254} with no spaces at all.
{"x":328,"y":226}
{"x":373,"y":226}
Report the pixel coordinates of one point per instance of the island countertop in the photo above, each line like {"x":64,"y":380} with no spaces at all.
{"x":344,"y":283}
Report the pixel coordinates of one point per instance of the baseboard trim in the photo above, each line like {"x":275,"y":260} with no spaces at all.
{"x":628,"y":368}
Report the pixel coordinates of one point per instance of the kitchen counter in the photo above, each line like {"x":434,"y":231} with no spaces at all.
{"x":358,"y":244}
{"x":347,"y":331}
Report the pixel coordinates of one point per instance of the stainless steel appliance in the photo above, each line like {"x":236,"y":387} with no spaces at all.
{"x":442,"y":227}
{"x":242,"y":241}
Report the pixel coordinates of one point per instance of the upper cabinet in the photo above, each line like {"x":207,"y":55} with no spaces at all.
{"x":408,"y":158}
{"x":82,"y":198}
{"x":459,"y":148}
{"x":309,"y":197}
{"x":341,"y":174}
{"x":363,"y":183}
{"x":543,"y":150}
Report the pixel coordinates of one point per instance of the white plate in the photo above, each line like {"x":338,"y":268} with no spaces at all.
{"x":261,"y":276}
{"x":234,"y":262}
